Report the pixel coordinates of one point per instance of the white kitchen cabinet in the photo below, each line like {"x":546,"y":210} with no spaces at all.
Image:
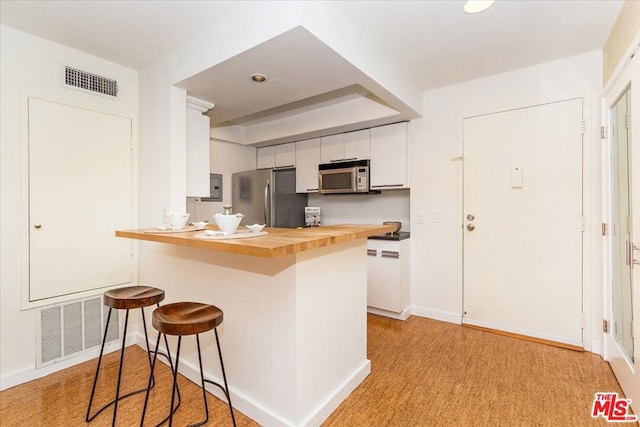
{"x":198,"y":158}
{"x":285,"y":155}
{"x":307,"y":160}
{"x":345,"y":147}
{"x":332,"y":148}
{"x":388,"y":277}
{"x":276,"y":156}
{"x":356,"y":145}
{"x":389,"y":157}
{"x":266,"y":157}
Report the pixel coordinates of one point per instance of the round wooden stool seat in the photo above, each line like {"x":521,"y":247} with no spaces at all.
{"x":133,"y":297}
{"x":186,"y":318}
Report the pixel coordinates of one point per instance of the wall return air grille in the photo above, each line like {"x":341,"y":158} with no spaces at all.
{"x":91,"y":82}
{"x":69,"y":329}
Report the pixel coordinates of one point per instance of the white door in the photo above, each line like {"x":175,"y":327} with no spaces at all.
{"x":523,"y":222}
{"x":620,"y":300}
{"x":80,"y":192}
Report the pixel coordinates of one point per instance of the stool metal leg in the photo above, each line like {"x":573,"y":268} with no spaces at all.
{"x":88,"y":418}
{"x":204,"y":392}
{"x":224,"y":389}
{"x":175,"y":382}
{"x":124,"y":340}
{"x":153,"y":366}
{"x":151,"y":380}
{"x":224,"y":377}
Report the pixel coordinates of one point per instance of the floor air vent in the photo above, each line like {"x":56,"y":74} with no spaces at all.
{"x":91,"y":82}
{"x":68,"y":329}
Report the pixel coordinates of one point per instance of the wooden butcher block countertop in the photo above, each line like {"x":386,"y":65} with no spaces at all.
{"x":277,"y":242}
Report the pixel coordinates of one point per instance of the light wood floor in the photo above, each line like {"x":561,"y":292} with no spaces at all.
{"x":424,"y":373}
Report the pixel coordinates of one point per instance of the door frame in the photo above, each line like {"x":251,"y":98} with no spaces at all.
{"x":626,"y":74}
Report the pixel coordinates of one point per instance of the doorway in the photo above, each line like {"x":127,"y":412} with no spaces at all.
{"x":523,"y":222}
{"x":621,"y":305}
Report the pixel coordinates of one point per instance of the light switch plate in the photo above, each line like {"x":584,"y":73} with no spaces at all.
{"x":516,"y":177}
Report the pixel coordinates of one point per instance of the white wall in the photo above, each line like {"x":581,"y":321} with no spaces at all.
{"x":33,"y":66}
{"x":436,"y":180}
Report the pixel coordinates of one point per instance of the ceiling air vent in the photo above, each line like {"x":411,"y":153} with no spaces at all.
{"x":92,"y":82}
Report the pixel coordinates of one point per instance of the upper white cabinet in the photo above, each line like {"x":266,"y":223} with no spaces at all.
{"x":286,"y":155}
{"x":345,"y":147}
{"x":276,"y":156}
{"x":307,"y":160}
{"x":266,"y":157}
{"x":389,"y":157}
{"x":356,"y":145}
{"x":332,"y":148}
{"x":198,"y":148}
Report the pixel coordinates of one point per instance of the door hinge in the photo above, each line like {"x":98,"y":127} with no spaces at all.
{"x":603,"y":132}
{"x":627,"y":120}
{"x":605,"y":326}
{"x":582,"y":126}
{"x":604,"y":229}
{"x":629,"y":224}
{"x":582,"y":223}
{"x":582,"y":321}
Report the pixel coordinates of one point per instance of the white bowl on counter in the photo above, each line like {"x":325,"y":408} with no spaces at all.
{"x":255,"y":228}
{"x":178,"y":220}
{"x":228,"y":224}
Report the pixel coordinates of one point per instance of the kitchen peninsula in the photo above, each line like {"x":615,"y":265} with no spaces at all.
{"x":294,"y":302}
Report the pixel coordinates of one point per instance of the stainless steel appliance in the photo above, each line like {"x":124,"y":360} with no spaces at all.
{"x":268,"y":196}
{"x":344,"y":177}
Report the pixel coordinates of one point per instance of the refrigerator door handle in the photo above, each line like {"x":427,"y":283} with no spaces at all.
{"x":267,"y":204}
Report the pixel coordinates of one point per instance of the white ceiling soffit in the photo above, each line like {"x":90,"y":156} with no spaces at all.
{"x":309,"y":90}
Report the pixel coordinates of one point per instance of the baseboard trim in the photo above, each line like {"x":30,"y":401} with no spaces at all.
{"x":23,"y":376}
{"x":261,"y":414}
{"x":444,"y":316}
{"x":525,"y":337}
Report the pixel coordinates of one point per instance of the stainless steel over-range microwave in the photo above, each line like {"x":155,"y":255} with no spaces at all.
{"x":344,"y":177}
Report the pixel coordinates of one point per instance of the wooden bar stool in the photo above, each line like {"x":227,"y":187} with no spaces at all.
{"x":127,"y":298}
{"x":188,"y":318}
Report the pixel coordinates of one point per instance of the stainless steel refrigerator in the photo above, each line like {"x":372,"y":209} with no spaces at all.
{"x":268,"y":196}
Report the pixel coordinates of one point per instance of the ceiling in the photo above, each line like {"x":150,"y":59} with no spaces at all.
{"x":433,"y":42}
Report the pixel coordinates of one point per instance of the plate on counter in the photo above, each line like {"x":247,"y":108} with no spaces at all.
{"x":161,"y":229}
{"x":242,"y":234}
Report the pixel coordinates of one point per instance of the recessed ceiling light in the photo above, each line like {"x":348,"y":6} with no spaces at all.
{"x":259,"y":78}
{"x":475,"y":6}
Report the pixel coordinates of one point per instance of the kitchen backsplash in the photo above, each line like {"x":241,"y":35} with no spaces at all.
{"x":363,"y":208}
{"x":336,"y":209}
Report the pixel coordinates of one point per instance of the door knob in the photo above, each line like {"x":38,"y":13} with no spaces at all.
{"x":471,"y":227}
{"x":38,"y":226}
{"x":471,"y":217}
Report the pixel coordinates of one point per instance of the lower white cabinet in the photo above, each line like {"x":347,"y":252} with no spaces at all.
{"x":388,"y":277}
